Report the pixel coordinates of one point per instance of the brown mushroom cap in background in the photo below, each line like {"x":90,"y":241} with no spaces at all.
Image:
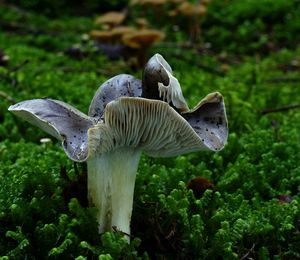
{"x":102,"y":36}
{"x":141,"y":23}
{"x":189,"y":9}
{"x":142,"y":38}
{"x":111,"y":18}
{"x":114,"y":34}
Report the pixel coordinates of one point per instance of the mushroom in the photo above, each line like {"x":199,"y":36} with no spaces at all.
{"x":142,"y":23}
{"x":162,"y":85}
{"x":102,"y":36}
{"x":193,"y":13}
{"x":109,"y":42}
{"x":111,"y":36}
{"x":140,"y":41}
{"x":111,"y":19}
{"x":142,"y":38}
{"x":119,"y":126}
{"x":189,"y":9}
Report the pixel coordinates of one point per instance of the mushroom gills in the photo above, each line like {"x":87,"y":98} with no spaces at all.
{"x":154,"y":127}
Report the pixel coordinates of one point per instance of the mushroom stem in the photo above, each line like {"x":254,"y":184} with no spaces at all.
{"x":111,"y":179}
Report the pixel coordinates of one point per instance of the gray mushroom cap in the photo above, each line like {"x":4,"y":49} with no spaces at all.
{"x":159,"y":83}
{"x":60,"y":120}
{"x":118,"y":86}
{"x":119,"y":117}
{"x":208,"y":119}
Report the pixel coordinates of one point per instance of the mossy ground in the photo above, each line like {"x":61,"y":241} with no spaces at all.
{"x":43,"y":207}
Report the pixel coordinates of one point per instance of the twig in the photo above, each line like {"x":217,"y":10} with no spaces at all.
{"x":279,"y":109}
{"x":282,"y":79}
{"x":115,"y":229}
{"x":248,"y":253}
{"x":19,"y":66}
{"x":7,"y":97}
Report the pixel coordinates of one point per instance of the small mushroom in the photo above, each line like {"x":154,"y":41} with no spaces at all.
{"x":140,"y":41}
{"x":119,"y":126}
{"x":142,"y":38}
{"x":103,"y":36}
{"x":192,"y":14}
{"x":142,"y":23}
{"x":199,"y":185}
{"x":109,"y":42}
{"x":111,"y":19}
{"x":112,"y":36}
{"x":189,"y":9}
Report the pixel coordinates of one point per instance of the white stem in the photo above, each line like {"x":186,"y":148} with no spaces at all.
{"x":111,"y":179}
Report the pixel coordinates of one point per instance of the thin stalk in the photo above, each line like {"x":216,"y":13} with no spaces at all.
{"x":111,"y":179}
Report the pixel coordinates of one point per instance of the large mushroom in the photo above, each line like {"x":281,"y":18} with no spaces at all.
{"x":121,"y":125}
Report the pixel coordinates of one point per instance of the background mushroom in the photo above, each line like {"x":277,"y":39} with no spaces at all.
{"x":140,"y":41}
{"x":121,"y":125}
{"x":111,"y":19}
{"x":191,"y":16}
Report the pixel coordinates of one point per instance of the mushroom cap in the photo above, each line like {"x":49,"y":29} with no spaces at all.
{"x":142,"y":23}
{"x":149,"y":125}
{"x":113,"y":35}
{"x":119,"y":117}
{"x":205,"y":2}
{"x":155,"y":127}
{"x":120,"y":30}
{"x":159,"y":83}
{"x":111,"y":18}
{"x":118,"y":86}
{"x":209,"y":121}
{"x":189,"y":9}
{"x":60,"y":120}
{"x":142,"y":38}
{"x":102,"y":36}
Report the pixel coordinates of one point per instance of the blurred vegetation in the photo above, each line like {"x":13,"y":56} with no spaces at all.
{"x":248,"y":51}
{"x":68,"y":7}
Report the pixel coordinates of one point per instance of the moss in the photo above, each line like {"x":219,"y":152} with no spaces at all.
{"x":43,"y":207}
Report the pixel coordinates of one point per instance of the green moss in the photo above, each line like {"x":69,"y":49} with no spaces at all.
{"x":43,"y":207}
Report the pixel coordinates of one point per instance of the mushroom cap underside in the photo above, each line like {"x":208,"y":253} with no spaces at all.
{"x":60,"y":120}
{"x":154,"y":127}
{"x":149,"y":125}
